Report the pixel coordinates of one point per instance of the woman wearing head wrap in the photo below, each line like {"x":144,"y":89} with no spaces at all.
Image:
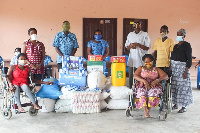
{"x":181,"y":61}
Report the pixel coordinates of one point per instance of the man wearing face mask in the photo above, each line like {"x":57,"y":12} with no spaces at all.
{"x":65,"y":43}
{"x":163,"y":47}
{"x":14,"y":59}
{"x":138,"y":43}
{"x":35,"y":52}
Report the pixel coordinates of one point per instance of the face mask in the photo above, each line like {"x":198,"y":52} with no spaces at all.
{"x":66,"y":27}
{"x":97,"y":37}
{"x":22,"y":62}
{"x":149,"y":65}
{"x":163,"y":34}
{"x":33,"y":37}
{"x":137,"y":25}
{"x":179,"y":38}
{"x":17,"y":53}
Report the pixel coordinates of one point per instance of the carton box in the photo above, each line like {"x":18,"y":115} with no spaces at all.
{"x":95,"y":58}
{"x":118,"y":59}
{"x":94,"y":65}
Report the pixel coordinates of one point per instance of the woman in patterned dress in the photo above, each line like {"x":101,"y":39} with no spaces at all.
{"x":181,"y":61}
{"x":35,"y":52}
{"x":98,"y":46}
{"x":148,"y":87}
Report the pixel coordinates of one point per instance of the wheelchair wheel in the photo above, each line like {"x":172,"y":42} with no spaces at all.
{"x":32,"y":111}
{"x":128,"y":112}
{"x":7,"y":114}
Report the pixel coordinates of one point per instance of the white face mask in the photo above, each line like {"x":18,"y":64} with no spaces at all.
{"x":17,"y":53}
{"x":179,"y":38}
{"x":33,"y":37}
{"x":22,"y":62}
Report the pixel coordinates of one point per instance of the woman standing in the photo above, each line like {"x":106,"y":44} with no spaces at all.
{"x":181,"y":61}
{"x":98,"y":46}
{"x":35,"y":52}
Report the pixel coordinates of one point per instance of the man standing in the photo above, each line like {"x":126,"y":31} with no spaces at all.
{"x":65,"y":43}
{"x":163,"y":47}
{"x":137,"y":43}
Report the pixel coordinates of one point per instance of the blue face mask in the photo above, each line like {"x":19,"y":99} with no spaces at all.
{"x":179,"y":38}
{"x":97,"y":37}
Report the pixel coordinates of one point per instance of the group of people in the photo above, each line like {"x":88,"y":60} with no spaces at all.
{"x":169,"y":60}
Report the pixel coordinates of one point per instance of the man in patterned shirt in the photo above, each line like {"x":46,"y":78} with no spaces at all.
{"x":65,"y":43}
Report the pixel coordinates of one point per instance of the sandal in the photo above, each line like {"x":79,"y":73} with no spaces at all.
{"x":21,"y":111}
{"x":147,"y":116}
{"x":37,"y":107}
{"x":182,"y":110}
{"x":175,"y":107}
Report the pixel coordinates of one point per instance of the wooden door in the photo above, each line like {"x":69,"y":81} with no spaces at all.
{"x":128,"y":27}
{"x":108,"y":26}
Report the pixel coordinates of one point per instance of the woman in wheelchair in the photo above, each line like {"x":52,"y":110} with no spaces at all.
{"x":18,"y":77}
{"x":148,"y":87}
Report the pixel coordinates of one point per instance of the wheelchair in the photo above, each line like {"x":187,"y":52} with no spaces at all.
{"x":165,"y":105}
{"x":8,"y":100}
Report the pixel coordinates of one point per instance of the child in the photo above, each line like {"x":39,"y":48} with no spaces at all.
{"x":47,"y":67}
{"x":14,"y":59}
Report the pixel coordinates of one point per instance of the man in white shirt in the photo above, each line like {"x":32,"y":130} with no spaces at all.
{"x":138,"y":42}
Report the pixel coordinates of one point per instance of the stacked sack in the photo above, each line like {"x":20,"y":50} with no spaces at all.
{"x":119,"y":97}
{"x":64,"y":104}
{"x":119,"y":93}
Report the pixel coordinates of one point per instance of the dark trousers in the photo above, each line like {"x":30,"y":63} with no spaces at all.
{"x":168,"y":71}
{"x":37,"y":77}
{"x":59,"y":66}
{"x":131,"y":69}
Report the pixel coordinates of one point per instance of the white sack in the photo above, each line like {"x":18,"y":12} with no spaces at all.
{"x":120,"y":92}
{"x":104,"y":95}
{"x":118,"y":104}
{"x":67,"y":94}
{"x":63,"y":105}
{"x":48,"y":105}
{"x":96,"y":79}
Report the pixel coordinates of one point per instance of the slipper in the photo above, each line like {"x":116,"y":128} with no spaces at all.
{"x":182,"y":110}
{"x":22,"y":111}
{"x":147,"y":116}
{"x":174,"y":107}
{"x":37,"y":107}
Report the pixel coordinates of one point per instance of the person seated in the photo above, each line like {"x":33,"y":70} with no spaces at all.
{"x":148,"y":87}
{"x":14,"y":59}
{"x":48,"y":68}
{"x":18,"y":78}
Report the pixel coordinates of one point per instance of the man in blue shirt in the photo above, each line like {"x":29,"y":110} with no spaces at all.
{"x":65,"y":43}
